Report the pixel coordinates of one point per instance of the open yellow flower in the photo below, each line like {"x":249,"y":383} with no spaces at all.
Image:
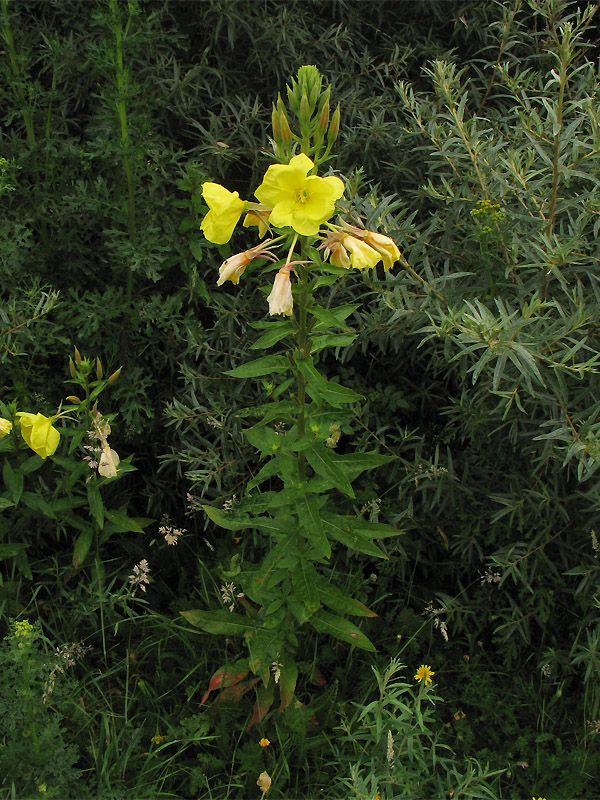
{"x":38,"y":433}
{"x":5,"y":427}
{"x":225,"y":210}
{"x":301,"y":201}
{"x":424,"y":673}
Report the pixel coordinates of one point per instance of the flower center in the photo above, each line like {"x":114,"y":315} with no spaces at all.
{"x":301,"y":196}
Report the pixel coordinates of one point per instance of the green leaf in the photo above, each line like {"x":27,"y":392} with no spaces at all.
{"x":82,"y":546}
{"x":284,"y":553}
{"x":308,"y":509}
{"x":263,"y":645}
{"x":120,"y":522}
{"x":223,"y":622}
{"x":273,"y":334}
{"x":320,"y":461}
{"x":304,"y":581}
{"x":374,"y":530}
{"x":37,"y":503}
{"x":261,"y":366}
{"x":264,"y":439}
{"x":341,"y":530}
{"x":332,"y":597}
{"x":324,"y":622}
{"x":230,"y":522}
{"x":13,"y":480}
{"x":334,"y":393}
{"x":332,"y":318}
{"x":11,"y":550}
{"x":5,"y":503}
{"x":95,"y":503}
{"x":287,"y":681}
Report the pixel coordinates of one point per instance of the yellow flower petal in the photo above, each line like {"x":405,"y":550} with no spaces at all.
{"x":361,"y":255}
{"x":225,"y":210}
{"x":5,"y":427}
{"x":38,"y":433}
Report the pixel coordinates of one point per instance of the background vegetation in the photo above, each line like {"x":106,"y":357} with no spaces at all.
{"x":470,"y":134}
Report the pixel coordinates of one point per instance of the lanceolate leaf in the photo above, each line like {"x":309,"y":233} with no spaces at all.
{"x":224,"y":622}
{"x":261,"y":366}
{"x":264,"y":701}
{"x":227,"y":521}
{"x":324,"y":622}
{"x":288,"y":675}
{"x":273,"y":334}
{"x":308,"y":508}
{"x":320,"y":460}
{"x":304,"y":581}
{"x":340,"y":529}
{"x":332,"y":597}
{"x":227,"y":675}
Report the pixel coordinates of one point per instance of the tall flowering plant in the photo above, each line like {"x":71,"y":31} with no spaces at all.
{"x":290,"y":501}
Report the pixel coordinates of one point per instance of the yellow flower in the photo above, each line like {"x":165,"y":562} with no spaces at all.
{"x":5,"y":427}
{"x":385,"y":246}
{"x":38,"y":433}
{"x":225,"y":210}
{"x":264,"y":782}
{"x":259,"y":219}
{"x":298,"y":200}
{"x":158,"y":738}
{"x":339,"y":256}
{"x":538,"y":798}
{"x":281,"y":300}
{"x":362,"y":255}
{"x":426,"y":672}
{"x":109,"y":461}
{"x":264,"y":743}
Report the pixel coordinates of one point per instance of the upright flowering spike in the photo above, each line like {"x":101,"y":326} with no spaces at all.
{"x":298,"y":200}
{"x":226,"y":208}
{"x":38,"y":433}
{"x":281,"y":300}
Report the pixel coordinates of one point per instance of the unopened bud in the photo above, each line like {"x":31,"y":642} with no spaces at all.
{"x":112,"y":378}
{"x":304,"y":108}
{"x":72,"y":398}
{"x":72,"y":368}
{"x":98,"y":368}
{"x":286,"y":133}
{"x":275,"y":124}
{"x":78,"y":358}
{"x":323,"y":119}
{"x":334,"y":125}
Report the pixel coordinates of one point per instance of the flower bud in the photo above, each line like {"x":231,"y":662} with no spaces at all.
{"x":78,"y":358}
{"x":115,"y":375}
{"x":275,"y":124}
{"x":98,"y":368}
{"x":72,"y":368}
{"x":286,"y":133}
{"x":72,"y":398}
{"x":334,"y":125}
{"x":304,"y":114}
{"x":323,"y":120}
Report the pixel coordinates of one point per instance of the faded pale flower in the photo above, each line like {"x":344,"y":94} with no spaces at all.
{"x":5,"y":427}
{"x":362,"y":256}
{"x":38,"y":433}
{"x":109,"y":462}
{"x":225,"y":210}
{"x":424,"y":673}
{"x":281,"y":300}
{"x":233,"y":267}
{"x":298,"y":200}
{"x":385,"y":246}
{"x":264,"y":782}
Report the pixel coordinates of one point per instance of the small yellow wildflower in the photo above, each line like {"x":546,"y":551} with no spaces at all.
{"x":425,"y":672}
{"x":42,"y":788}
{"x":378,"y":796}
{"x":5,"y":427}
{"x":23,"y":629}
{"x":158,"y":738}
{"x":264,"y":742}
{"x":299,"y":200}
{"x":538,"y":798}
{"x":38,"y":433}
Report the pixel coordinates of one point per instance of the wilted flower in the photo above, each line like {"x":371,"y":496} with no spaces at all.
{"x":362,"y":255}
{"x":5,"y":427}
{"x":233,"y":268}
{"x":264,"y":782}
{"x":109,"y":461}
{"x":140,"y":576}
{"x":298,"y":200}
{"x":385,"y":246}
{"x":38,"y":433}
{"x":225,"y":210}
{"x":281,"y":300}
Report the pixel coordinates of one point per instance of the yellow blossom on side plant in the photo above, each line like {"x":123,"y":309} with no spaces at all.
{"x":299,"y":200}
{"x":5,"y":427}
{"x":38,"y":433}
{"x":264,"y":742}
{"x":424,"y":672}
{"x":225,"y":210}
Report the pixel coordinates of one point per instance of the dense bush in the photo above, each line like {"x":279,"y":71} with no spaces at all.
{"x":470,"y":134}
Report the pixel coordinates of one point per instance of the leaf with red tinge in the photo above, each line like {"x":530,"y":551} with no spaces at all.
{"x":235,"y":693}
{"x":264,"y":701}
{"x":226,"y":676}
